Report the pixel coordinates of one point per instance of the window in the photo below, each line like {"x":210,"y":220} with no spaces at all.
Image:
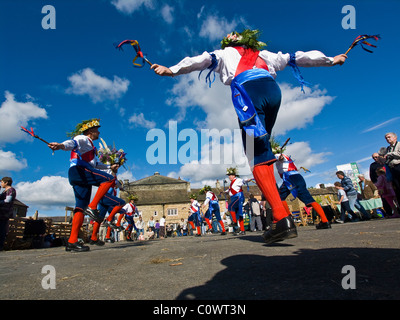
{"x":172,"y":212}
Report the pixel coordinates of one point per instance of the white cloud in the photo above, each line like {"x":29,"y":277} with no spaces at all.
{"x":9,"y":162}
{"x":130,"y":6}
{"x":13,"y":115}
{"x":303,"y":155}
{"x":189,"y":92}
{"x":98,"y":88}
{"x":41,"y":194}
{"x":167,"y":12}
{"x":138,"y":120}
{"x":215,"y":27}
{"x":298,"y":109}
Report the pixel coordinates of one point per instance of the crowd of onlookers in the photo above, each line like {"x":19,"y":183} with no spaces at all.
{"x":384,"y":184}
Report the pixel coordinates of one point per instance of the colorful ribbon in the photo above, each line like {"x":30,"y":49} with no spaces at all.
{"x":139,"y":53}
{"x":361,"y":40}
{"x":31,"y":133}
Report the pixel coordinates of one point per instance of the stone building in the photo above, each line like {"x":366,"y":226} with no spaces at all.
{"x":160,"y":196}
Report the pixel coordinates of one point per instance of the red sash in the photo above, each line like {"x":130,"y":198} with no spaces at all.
{"x":234,"y":191}
{"x":249,"y":59}
{"x":87,"y":156}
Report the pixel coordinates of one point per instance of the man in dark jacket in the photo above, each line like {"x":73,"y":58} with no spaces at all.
{"x":7,"y":198}
{"x":351,"y":194}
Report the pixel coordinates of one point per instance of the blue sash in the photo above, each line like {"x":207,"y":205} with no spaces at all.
{"x":286,"y":180}
{"x":244,"y":107}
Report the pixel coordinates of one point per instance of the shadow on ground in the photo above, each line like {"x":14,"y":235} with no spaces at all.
{"x":308,"y":274}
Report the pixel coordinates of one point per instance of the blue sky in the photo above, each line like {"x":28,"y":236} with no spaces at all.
{"x":51,"y":79}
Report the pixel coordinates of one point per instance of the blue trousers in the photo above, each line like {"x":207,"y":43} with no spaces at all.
{"x":299,"y":184}
{"x":82,"y":179}
{"x":236,"y":204}
{"x":265,"y":96}
{"x":213,"y":208}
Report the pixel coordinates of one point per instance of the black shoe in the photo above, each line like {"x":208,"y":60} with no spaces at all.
{"x":223,"y":233}
{"x":111,"y":225}
{"x":198,"y":235}
{"x":93,"y":214}
{"x":323,"y":225}
{"x":97,"y":242}
{"x":283,"y":229}
{"x":77,"y":247}
{"x":108,"y":240}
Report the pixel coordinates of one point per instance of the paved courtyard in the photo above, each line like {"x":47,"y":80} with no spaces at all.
{"x":215,"y":267}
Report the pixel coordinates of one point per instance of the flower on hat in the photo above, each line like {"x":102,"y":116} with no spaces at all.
{"x":83,"y":126}
{"x":247,"y":38}
{"x":232,"y":171}
{"x":276,"y":146}
{"x":204,"y":189}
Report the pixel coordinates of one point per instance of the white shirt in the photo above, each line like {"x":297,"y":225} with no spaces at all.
{"x":194,"y":207}
{"x":236,"y":186}
{"x":341,"y":193}
{"x":162,"y":222}
{"x":129,"y":208}
{"x":84,"y":144}
{"x":229,"y":58}
{"x":287,"y":164}
{"x":210,"y":196}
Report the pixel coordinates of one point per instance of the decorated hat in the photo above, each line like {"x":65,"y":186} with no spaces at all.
{"x":232,"y":171}
{"x":133,"y":197}
{"x":193,"y":196}
{"x":204,"y":189}
{"x":247,"y":38}
{"x":83,"y":126}
{"x":276,"y":146}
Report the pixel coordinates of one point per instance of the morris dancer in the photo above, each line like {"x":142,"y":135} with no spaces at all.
{"x":194,"y":218}
{"x":130,"y":211}
{"x":85,"y":172}
{"x":112,"y":204}
{"x":293,"y":182}
{"x":256,"y":98}
{"x":235,"y":206}
{"x":213,"y":208}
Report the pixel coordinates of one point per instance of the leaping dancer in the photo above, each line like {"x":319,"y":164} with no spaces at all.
{"x":250,"y":71}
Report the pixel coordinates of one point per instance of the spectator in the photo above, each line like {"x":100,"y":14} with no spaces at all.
{"x":184,"y":226}
{"x":7,"y":198}
{"x":379,"y":162}
{"x":344,"y":205}
{"x":255,"y":209}
{"x":386,"y":191}
{"x":140,"y":226}
{"x":392,"y":158}
{"x":162,"y":228}
{"x":151,"y":224}
{"x":367,"y":187}
{"x":351,"y":194}
{"x":157,"y":229}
